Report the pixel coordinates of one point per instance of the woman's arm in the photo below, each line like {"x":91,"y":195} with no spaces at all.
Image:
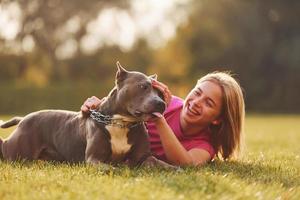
{"x":174,"y":150}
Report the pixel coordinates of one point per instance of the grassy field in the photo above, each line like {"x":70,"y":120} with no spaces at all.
{"x":270,"y":169}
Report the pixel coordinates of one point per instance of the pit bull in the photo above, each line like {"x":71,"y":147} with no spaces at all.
{"x":111,"y":134}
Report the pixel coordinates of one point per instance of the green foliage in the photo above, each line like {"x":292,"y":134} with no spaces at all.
{"x":268,"y":170}
{"x":259,"y":41}
{"x":67,"y":96}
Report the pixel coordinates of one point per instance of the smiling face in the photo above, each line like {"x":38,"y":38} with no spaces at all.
{"x":202,"y":107}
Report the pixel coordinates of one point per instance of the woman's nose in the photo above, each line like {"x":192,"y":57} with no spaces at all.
{"x":197,"y":102}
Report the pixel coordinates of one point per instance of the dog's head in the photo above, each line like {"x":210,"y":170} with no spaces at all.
{"x":136,"y":94}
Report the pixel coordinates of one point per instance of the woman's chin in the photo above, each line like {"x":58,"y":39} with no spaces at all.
{"x":191,"y":119}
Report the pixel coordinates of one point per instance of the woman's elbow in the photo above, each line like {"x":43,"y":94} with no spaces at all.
{"x":190,"y":162}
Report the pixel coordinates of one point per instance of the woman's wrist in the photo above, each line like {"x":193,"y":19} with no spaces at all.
{"x":160,"y":122}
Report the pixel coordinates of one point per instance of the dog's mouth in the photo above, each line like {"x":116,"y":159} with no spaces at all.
{"x":146,"y":116}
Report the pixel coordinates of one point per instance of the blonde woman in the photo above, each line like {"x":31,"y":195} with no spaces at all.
{"x":208,"y":123}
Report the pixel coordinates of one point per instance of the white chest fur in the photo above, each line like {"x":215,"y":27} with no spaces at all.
{"x":119,"y":140}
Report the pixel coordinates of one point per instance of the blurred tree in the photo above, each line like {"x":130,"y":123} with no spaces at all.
{"x":257,"y":40}
{"x":53,"y":23}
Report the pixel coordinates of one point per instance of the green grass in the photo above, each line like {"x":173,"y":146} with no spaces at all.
{"x":270,"y":169}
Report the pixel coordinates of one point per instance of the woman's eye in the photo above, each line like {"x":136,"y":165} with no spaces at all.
{"x":197,"y":92}
{"x":209,"y":104}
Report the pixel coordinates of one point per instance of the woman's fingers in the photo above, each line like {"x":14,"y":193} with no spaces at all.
{"x":164,"y":89}
{"x":91,"y":103}
{"x":168,"y":96}
{"x":84,"y":108}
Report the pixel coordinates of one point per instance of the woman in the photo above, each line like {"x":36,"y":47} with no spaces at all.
{"x":208,"y":123}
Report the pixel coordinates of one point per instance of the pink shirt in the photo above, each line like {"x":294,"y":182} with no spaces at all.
{"x":172,"y":116}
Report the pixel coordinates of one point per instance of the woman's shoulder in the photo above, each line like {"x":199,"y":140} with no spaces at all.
{"x":177,"y":100}
{"x":176,"y":103}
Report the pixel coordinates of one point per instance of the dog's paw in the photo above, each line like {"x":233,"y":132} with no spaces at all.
{"x":1,"y":122}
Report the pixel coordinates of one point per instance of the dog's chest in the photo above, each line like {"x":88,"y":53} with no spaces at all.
{"x":119,"y":142}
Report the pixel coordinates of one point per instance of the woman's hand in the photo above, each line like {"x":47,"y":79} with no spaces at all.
{"x":159,"y":118}
{"x":91,"y":103}
{"x":164,"y":90}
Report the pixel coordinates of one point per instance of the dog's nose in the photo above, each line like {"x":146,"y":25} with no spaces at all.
{"x":160,"y":106}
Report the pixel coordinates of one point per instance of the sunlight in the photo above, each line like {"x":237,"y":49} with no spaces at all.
{"x":9,"y":20}
{"x":154,"y":20}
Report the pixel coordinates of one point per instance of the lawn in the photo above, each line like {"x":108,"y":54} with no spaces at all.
{"x":269,"y":169}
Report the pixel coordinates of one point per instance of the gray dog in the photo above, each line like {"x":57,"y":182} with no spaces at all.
{"x":113,"y":133}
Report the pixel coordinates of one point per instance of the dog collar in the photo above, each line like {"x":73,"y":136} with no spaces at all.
{"x":111,"y":121}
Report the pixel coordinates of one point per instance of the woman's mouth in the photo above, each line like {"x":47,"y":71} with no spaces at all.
{"x":191,"y":110}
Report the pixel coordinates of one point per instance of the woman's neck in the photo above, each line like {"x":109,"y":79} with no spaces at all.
{"x":188,"y":129}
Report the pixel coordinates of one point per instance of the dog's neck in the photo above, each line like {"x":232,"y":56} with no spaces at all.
{"x":110,"y":113}
{"x":108,"y":107}
{"x":111,"y":108}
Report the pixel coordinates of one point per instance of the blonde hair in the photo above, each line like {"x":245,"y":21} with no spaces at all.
{"x":228,"y":136}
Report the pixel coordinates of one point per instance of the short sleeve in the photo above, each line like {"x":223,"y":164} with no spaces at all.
{"x":202,"y":145}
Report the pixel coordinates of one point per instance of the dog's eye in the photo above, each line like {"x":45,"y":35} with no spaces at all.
{"x":144,"y":87}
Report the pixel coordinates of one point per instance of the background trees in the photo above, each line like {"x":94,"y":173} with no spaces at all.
{"x":259,"y":41}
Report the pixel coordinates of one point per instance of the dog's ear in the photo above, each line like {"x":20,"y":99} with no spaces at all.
{"x":154,"y":76}
{"x":121,"y":73}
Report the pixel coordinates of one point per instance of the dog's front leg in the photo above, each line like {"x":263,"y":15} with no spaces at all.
{"x":98,"y":149}
{"x":147,"y":160}
{"x":151,"y":161}
{"x":141,"y":155}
